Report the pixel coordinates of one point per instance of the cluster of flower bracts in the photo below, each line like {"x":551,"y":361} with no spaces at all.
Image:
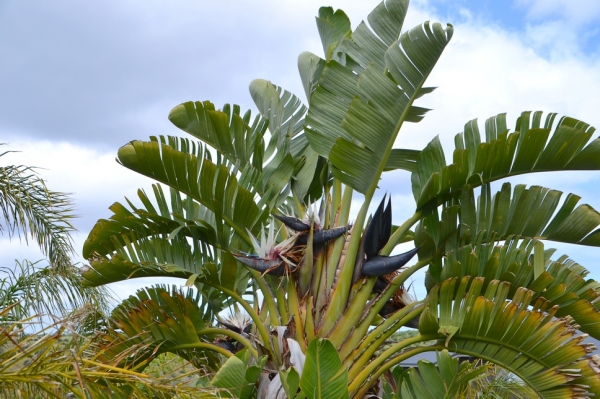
{"x":286,"y":256}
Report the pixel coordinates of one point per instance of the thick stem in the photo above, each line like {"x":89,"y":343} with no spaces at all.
{"x":203,"y":345}
{"x":231,"y":334}
{"x":375,"y":342}
{"x":349,"y":319}
{"x":276,"y":287}
{"x":335,"y":203}
{"x":295,"y":311}
{"x":339,"y":299}
{"x":268,"y":297}
{"x":341,"y":220}
{"x":255,"y":318}
{"x":309,"y":323}
{"x":307,"y":273}
{"x":320,"y":292}
{"x":334,"y":255}
{"x":381,"y":300}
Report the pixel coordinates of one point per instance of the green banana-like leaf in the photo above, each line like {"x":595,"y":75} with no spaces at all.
{"x":532,"y":212}
{"x":323,"y":376}
{"x":333,"y":27}
{"x":180,"y":215}
{"x":290,"y":380}
{"x":402,"y":159}
{"x":532,"y":147}
{"x":118,"y":268}
{"x":368,"y":45}
{"x":310,"y":67}
{"x":559,"y":283}
{"x":172,"y":238}
{"x":225,"y":130}
{"x":157,"y":320}
{"x":159,"y":257}
{"x":151,"y":241}
{"x":532,"y":344}
{"x":284,"y":111}
{"x":231,"y":377}
{"x":213,"y":186}
{"x":357,"y":109}
{"x":239,"y":145}
{"x":447,"y":380}
{"x":295,"y":163}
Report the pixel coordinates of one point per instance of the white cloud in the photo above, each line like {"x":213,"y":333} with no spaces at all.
{"x":576,"y":11}
{"x":94,"y":178}
{"x":486,"y":71}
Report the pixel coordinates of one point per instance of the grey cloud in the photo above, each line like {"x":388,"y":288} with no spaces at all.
{"x":107,"y":72}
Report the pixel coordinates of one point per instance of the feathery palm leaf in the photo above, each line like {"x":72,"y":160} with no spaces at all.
{"x":56,"y":363}
{"x":30,"y":208}
{"x":36,"y":290}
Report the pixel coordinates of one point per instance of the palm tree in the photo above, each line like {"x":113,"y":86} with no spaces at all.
{"x":255,"y":216}
{"x":32,"y":211}
{"x":48,"y":318}
{"x":56,"y":362}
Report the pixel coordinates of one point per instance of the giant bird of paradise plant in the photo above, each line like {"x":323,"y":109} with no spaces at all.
{"x":255,"y":216}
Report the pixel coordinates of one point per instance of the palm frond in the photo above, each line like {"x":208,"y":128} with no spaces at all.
{"x":29,"y":208}
{"x":57,"y":363}
{"x":44,"y":290}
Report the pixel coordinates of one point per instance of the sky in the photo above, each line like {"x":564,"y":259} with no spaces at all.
{"x":80,"y":79}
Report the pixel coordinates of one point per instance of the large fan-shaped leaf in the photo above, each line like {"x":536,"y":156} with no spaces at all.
{"x":181,"y":215}
{"x":310,"y":67}
{"x":560,"y":282}
{"x":368,"y":45}
{"x":532,"y":344}
{"x":284,"y":111}
{"x":160,"y":257}
{"x":285,"y":114}
{"x":333,"y":27}
{"x":529,"y":212}
{"x":212,"y":186}
{"x":237,"y":379}
{"x":357,"y":110}
{"x":160,"y":320}
{"x":501,"y":155}
{"x":173,"y":238}
{"x":226,"y":131}
{"x":402,"y":159}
